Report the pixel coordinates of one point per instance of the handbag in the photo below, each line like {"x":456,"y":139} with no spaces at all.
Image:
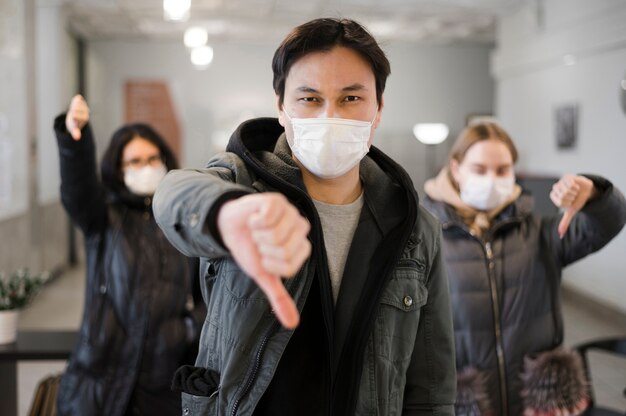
{"x":45,"y":398}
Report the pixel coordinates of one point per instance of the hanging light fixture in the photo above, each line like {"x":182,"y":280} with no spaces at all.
{"x":195,"y":36}
{"x":177,"y":10}
{"x":202,"y":56}
{"x":431,"y":133}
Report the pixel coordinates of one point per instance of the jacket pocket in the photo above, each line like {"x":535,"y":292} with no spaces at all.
{"x":399,"y":313}
{"x":199,"y":389}
{"x":199,"y":405}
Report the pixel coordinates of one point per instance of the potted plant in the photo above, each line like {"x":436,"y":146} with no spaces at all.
{"x":16,"y":292}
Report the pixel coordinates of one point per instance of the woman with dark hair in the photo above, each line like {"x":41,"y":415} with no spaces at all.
{"x":504,"y":266}
{"x":143,"y":309}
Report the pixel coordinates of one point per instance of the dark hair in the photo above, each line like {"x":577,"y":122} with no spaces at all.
{"x":321,"y":35}
{"x":111,"y":167}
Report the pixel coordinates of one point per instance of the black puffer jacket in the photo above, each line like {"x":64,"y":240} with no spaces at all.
{"x":503,"y":286}
{"x":140,"y":319}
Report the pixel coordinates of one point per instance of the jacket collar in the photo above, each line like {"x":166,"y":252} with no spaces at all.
{"x":521,"y":208}
{"x":131,"y":200}
{"x":262,"y":143}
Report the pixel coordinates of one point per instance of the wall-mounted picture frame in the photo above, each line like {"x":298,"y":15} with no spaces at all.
{"x":566,"y":125}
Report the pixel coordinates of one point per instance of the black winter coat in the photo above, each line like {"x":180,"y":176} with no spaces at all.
{"x":140,"y":321}
{"x":504,"y":286}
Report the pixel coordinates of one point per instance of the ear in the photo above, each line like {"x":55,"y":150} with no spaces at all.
{"x":379,"y":113}
{"x":281,"y":114}
{"x":454,"y":169}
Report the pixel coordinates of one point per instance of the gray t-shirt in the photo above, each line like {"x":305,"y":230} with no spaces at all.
{"x":339,"y":223}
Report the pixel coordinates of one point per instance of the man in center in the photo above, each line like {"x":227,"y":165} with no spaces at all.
{"x":323,"y":276}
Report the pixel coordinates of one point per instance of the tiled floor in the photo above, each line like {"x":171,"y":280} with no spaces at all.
{"x":60,"y":305}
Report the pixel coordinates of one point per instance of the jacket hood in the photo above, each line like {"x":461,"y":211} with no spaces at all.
{"x":263,"y":145}
{"x":441,"y":188}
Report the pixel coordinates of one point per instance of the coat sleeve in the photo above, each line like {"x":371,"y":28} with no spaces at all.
{"x":592,"y":228}
{"x":187,"y":201}
{"x":431,"y":379}
{"x":82,"y":193}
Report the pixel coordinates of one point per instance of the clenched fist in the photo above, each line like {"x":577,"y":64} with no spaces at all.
{"x":267,"y":237}
{"x":77,"y":116}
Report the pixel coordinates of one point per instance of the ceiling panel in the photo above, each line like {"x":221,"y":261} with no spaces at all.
{"x":407,"y":20}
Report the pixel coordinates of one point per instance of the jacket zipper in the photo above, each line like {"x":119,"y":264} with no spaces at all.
{"x":327,"y":308}
{"x":255,"y":367}
{"x":303,"y":196}
{"x":495,"y":303}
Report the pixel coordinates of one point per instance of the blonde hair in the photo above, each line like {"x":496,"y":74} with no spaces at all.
{"x":475,"y":133}
{"x":478,"y":132}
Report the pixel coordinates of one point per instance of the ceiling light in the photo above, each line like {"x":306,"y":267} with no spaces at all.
{"x":196,"y":36}
{"x":431,"y":133}
{"x":176,"y":9}
{"x":202,"y":56}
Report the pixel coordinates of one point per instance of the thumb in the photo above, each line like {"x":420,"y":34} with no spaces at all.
{"x":568,"y":215}
{"x":76,"y":135}
{"x":281,"y":302}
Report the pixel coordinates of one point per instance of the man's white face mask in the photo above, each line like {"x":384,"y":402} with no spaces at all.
{"x":330,"y":147}
{"x":144,"y":181}
{"x":485,"y":192}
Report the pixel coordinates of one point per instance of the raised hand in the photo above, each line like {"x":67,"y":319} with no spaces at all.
{"x":571,"y":193}
{"x":77,"y":116}
{"x":267,"y":237}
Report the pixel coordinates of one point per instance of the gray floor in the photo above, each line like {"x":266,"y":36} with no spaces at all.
{"x":59,"y":307}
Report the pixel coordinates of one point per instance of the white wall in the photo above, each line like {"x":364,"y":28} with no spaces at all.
{"x":55,"y":70}
{"x":13,"y":134}
{"x":56,"y":83}
{"x":427,"y":84}
{"x":532,"y":79}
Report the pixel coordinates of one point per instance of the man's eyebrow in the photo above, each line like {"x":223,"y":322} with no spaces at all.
{"x":353,"y":87}
{"x":304,"y":88}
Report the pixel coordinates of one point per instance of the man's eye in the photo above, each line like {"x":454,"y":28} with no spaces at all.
{"x":309,"y":99}
{"x":352,"y":98}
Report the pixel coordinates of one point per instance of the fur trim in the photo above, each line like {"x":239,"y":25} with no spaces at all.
{"x":554,"y":384}
{"x":471,"y":393}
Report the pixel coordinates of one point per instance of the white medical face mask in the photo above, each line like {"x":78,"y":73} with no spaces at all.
{"x":484,"y":192}
{"x":144,"y":181}
{"x":329,"y":147}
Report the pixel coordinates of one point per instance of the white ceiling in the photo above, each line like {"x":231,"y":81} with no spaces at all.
{"x":425,"y":21}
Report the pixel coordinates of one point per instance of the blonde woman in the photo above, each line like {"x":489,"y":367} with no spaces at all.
{"x":504,"y":264}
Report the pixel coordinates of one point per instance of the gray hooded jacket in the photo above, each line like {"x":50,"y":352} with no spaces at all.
{"x":396,"y":358}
